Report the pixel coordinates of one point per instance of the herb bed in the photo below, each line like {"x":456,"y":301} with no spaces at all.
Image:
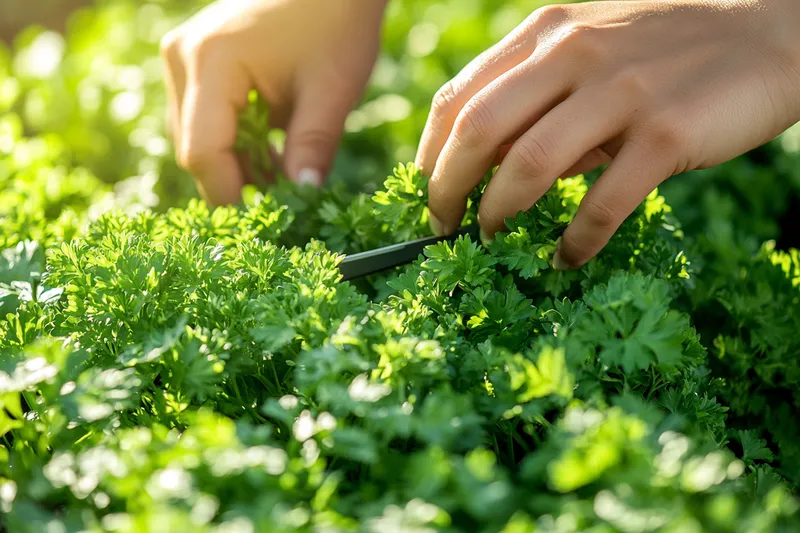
{"x":186,"y":369}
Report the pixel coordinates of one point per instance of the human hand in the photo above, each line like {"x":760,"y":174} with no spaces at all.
{"x":656,"y":88}
{"x":308,"y":59}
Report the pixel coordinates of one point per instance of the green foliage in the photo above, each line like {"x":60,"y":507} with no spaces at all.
{"x":187,"y":368}
{"x":191,"y":369}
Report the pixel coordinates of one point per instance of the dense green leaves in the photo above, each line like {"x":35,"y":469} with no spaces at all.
{"x":192,"y":369}
{"x":183,"y":366}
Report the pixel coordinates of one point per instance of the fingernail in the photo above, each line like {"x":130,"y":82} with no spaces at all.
{"x":558,"y":261}
{"x":309,"y":176}
{"x":437,"y":227}
{"x":485,"y":239}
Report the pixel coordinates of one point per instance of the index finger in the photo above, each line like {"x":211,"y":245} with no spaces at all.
{"x":215,"y":94}
{"x":448,"y":102}
{"x":494,"y":117}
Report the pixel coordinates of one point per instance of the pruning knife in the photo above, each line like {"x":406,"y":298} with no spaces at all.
{"x":364,"y":263}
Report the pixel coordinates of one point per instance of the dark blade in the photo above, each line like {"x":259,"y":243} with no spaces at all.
{"x":372,"y":261}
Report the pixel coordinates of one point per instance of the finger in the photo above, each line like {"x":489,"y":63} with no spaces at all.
{"x":314,"y":132}
{"x":496,"y":115}
{"x":553,"y":145}
{"x":501,"y":154}
{"x":593,"y":159}
{"x":451,"y":98}
{"x":633,"y":174}
{"x":175,"y":81}
{"x":216,"y":93}
{"x":512,"y":50}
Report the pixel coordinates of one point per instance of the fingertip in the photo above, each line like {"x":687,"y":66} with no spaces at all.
{"x":423,"y":160}
{"x":219,"y":178}
{"x":437,"y":227}
{"x":443,"y":212}
{"x":486,"y":238}
{"x":444,"y":220}
{"x":314,"y":132}
{"x":558,"y":262}
{"x":577,"y":246}
{"x":309,"y":155}
{"x":419,"y":161}
{"x":310,"y":176}
{"x":489,"y":216}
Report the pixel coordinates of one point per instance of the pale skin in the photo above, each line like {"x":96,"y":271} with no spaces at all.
{"x":654,"y":88}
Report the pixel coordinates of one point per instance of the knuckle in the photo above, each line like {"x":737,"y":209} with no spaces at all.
{"x":549,"y":15}
{"x":315,"y":141}
{"x":581,"y":41}
{"x":475,"y":123}
{"x":530,"y":157}
{"x":666,"y":133}
{"x":631,"y":83}
{"x":444,"y":99}
{"x":202,"y":49}
{"x":190,"y":158}
{"x":170,"y":45}
{"x":194,"y":156}
{"x":598,"y":213}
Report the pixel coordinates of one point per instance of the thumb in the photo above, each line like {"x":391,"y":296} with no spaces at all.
{"x":314,"y":132}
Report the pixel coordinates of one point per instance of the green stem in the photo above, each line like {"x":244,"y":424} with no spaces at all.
{"x":275,"y":374}
{"x":521,"y":442}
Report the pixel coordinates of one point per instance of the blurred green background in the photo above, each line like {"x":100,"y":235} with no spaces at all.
{"x":99,"y":85}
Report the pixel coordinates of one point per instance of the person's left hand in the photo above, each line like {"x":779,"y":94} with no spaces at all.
{"x":656,"y":87}
{"x":309,"y":59}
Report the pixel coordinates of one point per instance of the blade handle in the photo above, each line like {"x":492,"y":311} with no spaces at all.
{"x":380,"y":259}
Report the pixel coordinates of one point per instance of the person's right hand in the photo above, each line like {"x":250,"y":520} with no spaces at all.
{"x":654,"y":88}
{"x":309,"y":59}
